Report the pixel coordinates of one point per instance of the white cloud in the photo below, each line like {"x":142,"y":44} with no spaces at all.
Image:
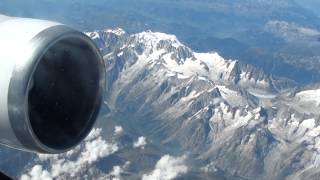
{"x":209,"y":168}
{"x":95,"y":132}
{"x":118,"y":130}
{"x":116,"y":172}
{"x":37,"y":173}
{"x":97,"y":149}
{"x":167,"y":168}
{"x":141,"y":142}
{"x":72,"y":162}
{"x":290,"y":31}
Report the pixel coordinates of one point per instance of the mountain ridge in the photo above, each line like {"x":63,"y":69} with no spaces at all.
{"x":227,"y":113}
{"x":200,"y":114}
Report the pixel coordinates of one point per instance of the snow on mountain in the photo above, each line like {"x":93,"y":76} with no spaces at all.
{"x":229,"y":115}
{"x":309,"y":96}
{"x":217,"y":118}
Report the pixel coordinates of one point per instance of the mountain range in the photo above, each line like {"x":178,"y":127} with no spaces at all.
{"x":223,"y":113}
{"x":267,"y":34}
{"x":175,"y":113}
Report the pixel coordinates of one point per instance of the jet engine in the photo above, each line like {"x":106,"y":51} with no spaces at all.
{"x":51,"y":85}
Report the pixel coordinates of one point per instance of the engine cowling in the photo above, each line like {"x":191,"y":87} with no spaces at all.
{"x":51,"y":85}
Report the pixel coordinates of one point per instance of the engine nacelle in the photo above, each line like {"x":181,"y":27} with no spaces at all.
{"x":51,"y":85}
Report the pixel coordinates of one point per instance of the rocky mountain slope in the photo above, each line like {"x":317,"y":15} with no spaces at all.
{"x":174,"y":113}
{"x":228,"y":116}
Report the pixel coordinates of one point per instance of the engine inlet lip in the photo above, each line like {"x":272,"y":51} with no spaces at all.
{"x":20,"y":85}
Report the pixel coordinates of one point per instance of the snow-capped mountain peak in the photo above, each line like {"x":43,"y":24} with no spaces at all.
{"x":155,"y":38}
{"x":228,"y":118}
{"x":234,"y":115}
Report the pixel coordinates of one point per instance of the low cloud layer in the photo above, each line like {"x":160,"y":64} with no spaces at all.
{"x":37,"y":173}
{"x":118,"y":130}
{"x":69,"y":164}
{"x":167,"y":168}
{"x":117,"y":171}
{"x":141,"y":142}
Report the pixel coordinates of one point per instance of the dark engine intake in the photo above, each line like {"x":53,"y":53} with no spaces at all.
{"x":51,"y":85}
